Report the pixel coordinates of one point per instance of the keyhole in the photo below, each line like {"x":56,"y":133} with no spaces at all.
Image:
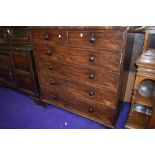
{"x":81,"y":35}
{"x":59,"y":36}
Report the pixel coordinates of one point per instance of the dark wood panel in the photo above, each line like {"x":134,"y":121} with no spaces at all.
{"x":4,"y":61}
{"x":25,"y":81}
{"x":104,"y":114}
{"x":19,"y":35}
{"x":5,"y":68}
{"x":81,"y":91}
{"x":103,"y":58}
{"x":51,"y":37}
{"x":99,"y":78}
{"x":22,"y":62}
{"x":3,"y":37}
{"x":6,"y":75}
{"x":110,"y":39}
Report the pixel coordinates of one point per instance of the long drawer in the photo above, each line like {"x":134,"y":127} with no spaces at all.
{"x":99,"y":78}
{"x":81,"y":91}
{"x":93,"y":111}
{"x":109,"y":59}
{"x":107,"y":39}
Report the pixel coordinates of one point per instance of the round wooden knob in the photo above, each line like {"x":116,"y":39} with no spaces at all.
{"x":52,"y":82}
{"x":46,"y":36}
{"x":55,"y":97}
{"x":92,"y":58}
{"x":49,"y":52}
{"x":50,"y":67}
{"x":91,"y":93}
{"x":92,"y":37}
{"x":90,"y":109}
{"x":91,"y":76}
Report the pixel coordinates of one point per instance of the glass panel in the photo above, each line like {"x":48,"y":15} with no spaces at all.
{"x":152,"y":41}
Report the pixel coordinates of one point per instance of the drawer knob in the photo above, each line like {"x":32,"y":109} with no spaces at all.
{"x":92,"y":37}
{"x":52,"y":82}
{"x":46,"y":36}
{"x":92,"y":58}
{"x":91,"y":76}
{"x":50,"y":67}
{"x":91,"y":93}
{"x":49,"y":52}
{"x":55,"y":97}
{"x":90,"y":109}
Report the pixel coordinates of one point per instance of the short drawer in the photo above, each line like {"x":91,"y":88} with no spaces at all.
{"x":107,"y":39}
{"x":49,"y":37}
{"x":102,"y":58}
{"x":78,"y":90}
{"x":92,"y":111}
{"x":100,"y":78}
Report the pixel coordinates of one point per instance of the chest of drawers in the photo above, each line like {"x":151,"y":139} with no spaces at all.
{"x":80,"y":69}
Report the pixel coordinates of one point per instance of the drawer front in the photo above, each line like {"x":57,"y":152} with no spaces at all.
{"x":91,"y":76}
{"x":108,"y":39}
{"x":104,"y":114}
{"x":85,"y":92}
{"x":51,"y":37}
{"x":104,"y":59}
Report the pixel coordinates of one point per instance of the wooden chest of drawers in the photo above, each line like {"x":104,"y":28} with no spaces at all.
{"x":80,"y":69}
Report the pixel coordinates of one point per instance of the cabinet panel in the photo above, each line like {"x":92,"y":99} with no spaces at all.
{"x":24,"y":81}
{"x":22,"y":62}
{"x":6,"y":72}
{"x":18,"y":35}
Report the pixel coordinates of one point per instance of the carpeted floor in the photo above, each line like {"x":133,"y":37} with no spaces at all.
{"x":18,"y":111}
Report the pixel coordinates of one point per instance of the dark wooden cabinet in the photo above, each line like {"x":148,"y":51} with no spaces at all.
{"x":142,"y":111}
{"x":17,"y":67}
{"x":80,"y":69}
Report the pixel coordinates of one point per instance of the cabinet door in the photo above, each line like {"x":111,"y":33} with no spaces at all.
{"x":3,"y":38}
{"x":24,"y":72}
{"x":6,"y":73}
{"x":18,"y":35}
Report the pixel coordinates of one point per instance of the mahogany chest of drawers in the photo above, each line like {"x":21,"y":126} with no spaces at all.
{"x":80,"y":69}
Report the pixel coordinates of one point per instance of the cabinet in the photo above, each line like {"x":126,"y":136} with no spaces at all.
{"x":80,"y":69}
{"x":17,"y":67}
{"x":142,"y":113}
